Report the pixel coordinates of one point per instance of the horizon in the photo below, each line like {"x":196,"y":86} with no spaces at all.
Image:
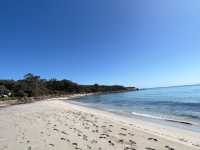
{"x":131,"y":43}
{"x":180,"y":85}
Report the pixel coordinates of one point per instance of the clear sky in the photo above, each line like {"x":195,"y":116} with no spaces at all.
{"x":146,"y":43}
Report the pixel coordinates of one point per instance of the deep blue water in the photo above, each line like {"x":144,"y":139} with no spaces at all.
{"x":176,"y":103}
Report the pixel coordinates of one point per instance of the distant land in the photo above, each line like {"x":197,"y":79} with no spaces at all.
{"x":198,"y":84}
{"x":34,"y":86}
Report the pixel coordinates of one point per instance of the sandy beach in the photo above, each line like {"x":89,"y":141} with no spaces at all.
{"x":59,"y":125}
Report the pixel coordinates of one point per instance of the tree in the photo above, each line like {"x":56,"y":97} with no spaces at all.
{"x":20,"y":93}
{"x":3,"y":90}
{"x":31,"y":85}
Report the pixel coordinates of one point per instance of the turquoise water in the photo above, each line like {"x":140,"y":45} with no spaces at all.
{"x":181,"y":104}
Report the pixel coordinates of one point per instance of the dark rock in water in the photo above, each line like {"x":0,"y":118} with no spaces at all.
{"x":176,"y":121}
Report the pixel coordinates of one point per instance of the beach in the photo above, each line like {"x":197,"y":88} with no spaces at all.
{"x":56,"y":124}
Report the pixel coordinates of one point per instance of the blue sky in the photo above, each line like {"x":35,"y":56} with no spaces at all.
{"x":146,"y":43}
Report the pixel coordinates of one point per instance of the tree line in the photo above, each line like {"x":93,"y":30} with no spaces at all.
{"x":34,"y":86}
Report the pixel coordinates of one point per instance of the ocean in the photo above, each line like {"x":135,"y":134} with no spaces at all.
{"x":176,"y":106}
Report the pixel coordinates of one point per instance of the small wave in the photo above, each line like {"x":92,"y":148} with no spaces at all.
{"x":190,"y":116}
{"x":161,"y":118}
{"x":147,"y":116}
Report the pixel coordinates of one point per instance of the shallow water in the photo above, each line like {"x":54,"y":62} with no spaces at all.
{"x":180,"y":104}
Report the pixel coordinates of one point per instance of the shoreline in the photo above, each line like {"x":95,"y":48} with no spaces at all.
{"x":59,"y":124}
{"x":24,"y":100}
{"x":189,"y":125}
{"x":152,"y":127}
{"x":176,"y":123}
{"x":7,"y":103}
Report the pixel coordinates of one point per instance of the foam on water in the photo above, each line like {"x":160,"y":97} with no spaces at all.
{"x":147,"y":115}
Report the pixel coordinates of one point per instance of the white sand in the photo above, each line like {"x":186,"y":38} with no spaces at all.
{"x":57,"y":125}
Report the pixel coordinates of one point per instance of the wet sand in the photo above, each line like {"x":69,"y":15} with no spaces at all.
{"x":58,"y":125}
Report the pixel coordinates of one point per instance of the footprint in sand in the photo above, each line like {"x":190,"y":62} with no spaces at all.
{"x":197,"y":145}
{"x":79,"y":134}
{"x":89,"y":147}
{"x":169,"y":148}
{"x":63,"y":132}
{"x":131,"y":134}
{"x":63,"y":139}
{"x":87,"y":128}
{"x":120,"y":141}
{"x":85,"y":137}
{"x":52,"y":145}
{"x":111,"y":143}
{"x":129,"y":148}
{"x":55,"y":129}
{"x":122,"y":134}
{"x":132,"y":142}
{"x":75,"y":144}
{"x":29,"y":148}
{"x":93,"y":142}
{"x":103,"y":136}
{"x":184,"y":140}
{"x":124,"y":129}
{"x":149,"y":148}
{"x":95,"y":131}
{"x":152,"y":139}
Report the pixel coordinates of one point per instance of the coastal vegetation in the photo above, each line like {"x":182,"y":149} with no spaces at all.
{"x":34,"y":86}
